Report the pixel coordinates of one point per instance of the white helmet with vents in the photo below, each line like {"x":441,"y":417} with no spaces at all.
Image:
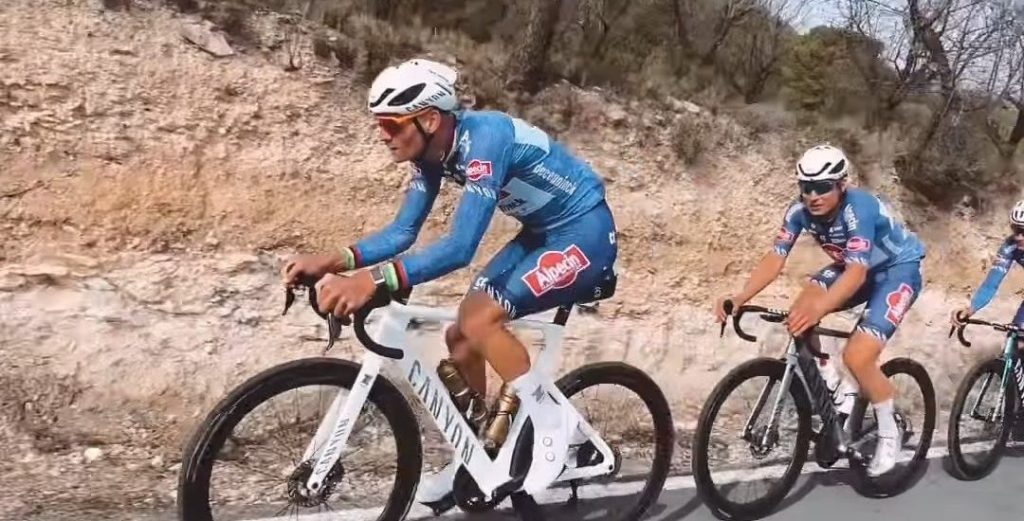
{"x":822,"y":162}
{"x":412,"y":86}
{"x":1017,"y":214}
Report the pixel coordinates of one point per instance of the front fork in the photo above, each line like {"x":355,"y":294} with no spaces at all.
{"x":787,"y":378}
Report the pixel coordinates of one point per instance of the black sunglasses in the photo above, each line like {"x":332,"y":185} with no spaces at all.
{"x":1016,"y":230}
{"x":818,"y":187}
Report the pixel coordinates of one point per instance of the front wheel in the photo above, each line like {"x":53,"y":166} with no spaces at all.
{"x":978,"y":422}
{"x":914,"y":406}
{"x":235,"y":470}
{"x":740,"y":445}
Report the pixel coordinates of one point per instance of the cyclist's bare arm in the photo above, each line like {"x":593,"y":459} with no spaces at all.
{"x":766,"y":271}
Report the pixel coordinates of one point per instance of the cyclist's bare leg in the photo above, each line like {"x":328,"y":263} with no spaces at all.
{"x":861,"y":358}
{"x":468,"y":360}
{"x":482,"y":321}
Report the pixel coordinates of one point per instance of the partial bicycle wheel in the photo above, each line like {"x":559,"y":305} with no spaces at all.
{"x":631,"y":414}
{"x":978,"y":422}
{"x":739,"y":446}
{"x":914,"y":406}
{"x":243,"y":462}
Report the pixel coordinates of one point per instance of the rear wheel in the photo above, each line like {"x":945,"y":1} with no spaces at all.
{"x":915,"y":413}
{"x":631,"y":414}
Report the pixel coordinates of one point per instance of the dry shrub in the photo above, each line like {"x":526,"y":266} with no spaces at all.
{"x":692,"y":136}
{"x":34,"y":401}
{"x":958,"y":162}
{"x":764,"y":118}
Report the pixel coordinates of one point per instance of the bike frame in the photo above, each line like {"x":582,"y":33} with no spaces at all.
{"x":330,"y":440}
{"x":1012,"y":362}
{"x":805,"y":368}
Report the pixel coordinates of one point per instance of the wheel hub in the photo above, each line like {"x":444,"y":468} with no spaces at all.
{"x":298,"y":494}
{"x":761,"y":449}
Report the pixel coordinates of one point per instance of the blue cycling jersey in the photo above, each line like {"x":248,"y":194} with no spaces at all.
{"x":863,"y":232}
{"x":1008,"y":254}
{"x":500,"y":161}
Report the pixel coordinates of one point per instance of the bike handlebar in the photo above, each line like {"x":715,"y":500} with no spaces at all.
{"x":334,"y":323}
{"x":998,"y":327}
{"x":776,"y":316}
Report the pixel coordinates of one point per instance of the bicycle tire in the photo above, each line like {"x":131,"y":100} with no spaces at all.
{"x":208,"y":438}
{"x":774,"y":369}
{"x":632,"y":378}
{"x":897,"y":481}
{"x":960,"y":468}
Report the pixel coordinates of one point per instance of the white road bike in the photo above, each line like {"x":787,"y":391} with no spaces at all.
{"x":481,"y":482}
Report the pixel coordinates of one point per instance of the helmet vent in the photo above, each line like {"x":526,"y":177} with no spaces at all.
{"x":383,"y":95}
{"x":407,"y":96}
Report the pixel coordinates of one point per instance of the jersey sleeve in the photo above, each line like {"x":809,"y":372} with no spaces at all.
{"x":792,"y":225}
{"x":401,"y":233}
{"x":485,"y":165}
{"x":860,"y":220}
{"x":1000,"y":266}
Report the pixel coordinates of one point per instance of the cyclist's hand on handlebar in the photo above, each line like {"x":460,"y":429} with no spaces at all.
{"x":959,"y":316}
{"x":719,"y":307}
{"x":313,"y":266}
{"x":342,"y":295}
{"x":805,"y":314}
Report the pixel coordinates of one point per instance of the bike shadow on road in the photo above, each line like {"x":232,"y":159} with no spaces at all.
{"x":844,"y":478}
{"x":601,"y":508}
{"x":1014,"y":452}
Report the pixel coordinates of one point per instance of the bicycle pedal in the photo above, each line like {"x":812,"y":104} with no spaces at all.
{"x":442,"y":505}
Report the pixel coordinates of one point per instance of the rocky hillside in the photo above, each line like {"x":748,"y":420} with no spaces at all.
{"x":148,"y":190}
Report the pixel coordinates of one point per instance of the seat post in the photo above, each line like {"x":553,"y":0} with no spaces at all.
{"x":562,"y":315}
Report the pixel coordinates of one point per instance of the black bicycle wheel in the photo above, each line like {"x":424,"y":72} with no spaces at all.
{"x":639,"y":429}
{"x":715,"y":494}
{"x":972,"y":458}
{"x":207,"y":445}
{"x":898,"y":479}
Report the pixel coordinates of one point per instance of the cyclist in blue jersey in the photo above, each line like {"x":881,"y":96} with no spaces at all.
{"x":876,"y":261}
{"x":1010,"y":250}
{"x":564,"y":252}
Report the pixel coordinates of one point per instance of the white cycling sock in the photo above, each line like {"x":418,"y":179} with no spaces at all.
{"x":886,"y":419}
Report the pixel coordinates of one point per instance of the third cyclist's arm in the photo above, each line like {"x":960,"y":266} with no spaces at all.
{"x":988,"y":289}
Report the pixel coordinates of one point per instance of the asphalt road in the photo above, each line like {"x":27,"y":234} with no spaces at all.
{"x":817,"y":495}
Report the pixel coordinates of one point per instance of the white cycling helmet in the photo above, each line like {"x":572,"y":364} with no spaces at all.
{"x":822,"y":162}
{"x":413,"y":85}
{"x":1017,"y":214}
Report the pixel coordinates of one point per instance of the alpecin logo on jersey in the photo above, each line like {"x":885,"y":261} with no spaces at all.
{"x":477,"y":170}
{"x":898,"y":302}
{"x":835,"y":252}
{"x":858,"y":244}
{"x":556,"y":270}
